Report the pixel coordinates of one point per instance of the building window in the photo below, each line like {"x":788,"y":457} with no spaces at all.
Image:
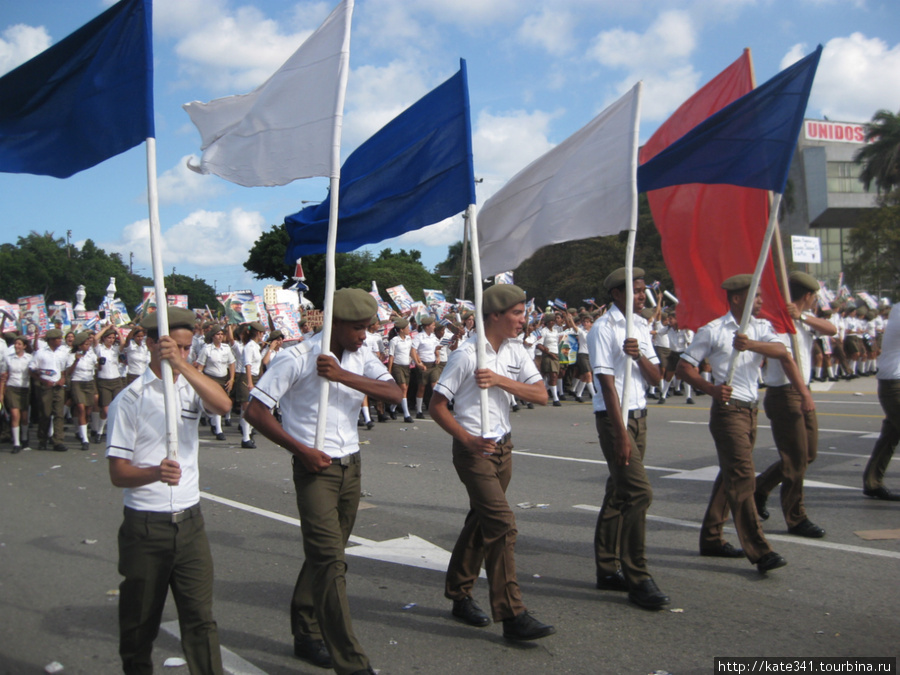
{"x":844,"y":177}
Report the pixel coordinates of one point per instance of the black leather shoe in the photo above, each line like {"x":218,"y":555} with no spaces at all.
{"x":724,"y":550}
{"x":85,"y":446}
{"x":369,"y":425}
{"x":468,"y":612}
{"x":312,"y":650}
{"x":807,"y":529}
{"x":382,"y":418}
{"x":420,"y":416}
{"x":59,"y":447}
{"x":647,"y":595}
{"x":882,"y":493}
{"x":770,"y":561}
{"x":515,"y":407}
{"x":556,"y":404}
{"x":220,"y":436}
{"x":612,"y":582}
{"x":248,"y":444}
{"x":661,"y":401}
{"x":525,"y":627}
{"x":16,"y":449}
{"x":407,"y":420}
{"x":227,"y":422}
{"x":530,"y":406}
{"x":761,"y":510}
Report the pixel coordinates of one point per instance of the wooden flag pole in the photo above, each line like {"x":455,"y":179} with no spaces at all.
{"x":159,"y":287}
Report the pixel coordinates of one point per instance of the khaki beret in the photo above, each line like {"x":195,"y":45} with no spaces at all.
{"x":257,"y":326}
{"x":211,"y":333}
{"x":53,"y":333}
{"x":500,"y":297}
{"x":584,"y":316}
{"x":572,"y":310}
{"x":804,"y":280}
{"x":648,"y":312}
{"x":400,"y":324}
{"x":353,"y":304}
{"x":426,"y":321}
{"x":738,"y":282}
{"x":617,"y":278}
{"x":179,"y":317}
{"x":302,"y":322}
{"x":276,"y":335}
{"x":466,"y":314}
{"x":872,"y":314}
{"x":81,"y":338}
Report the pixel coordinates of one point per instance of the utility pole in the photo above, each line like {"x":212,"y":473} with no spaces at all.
{"x":68,"y":250}
{"x":131,"y":262}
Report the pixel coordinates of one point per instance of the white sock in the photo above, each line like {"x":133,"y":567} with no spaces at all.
{"x":216,"y":422}
{"x":366,"y":416}
{"x":405,"y":405}
{"x":95,"y":421}
{"x":554,"y":394}
{"x":102,"y":427}
{"x":559,"y":387}
{"x":579,"y":388}
{"x":688,"y":390}
{"x":15,"y":436}
{"x":245,"y":430}
{"x":664,"y":388}
{"x":590,"y":386}
{"x":419,"y":404}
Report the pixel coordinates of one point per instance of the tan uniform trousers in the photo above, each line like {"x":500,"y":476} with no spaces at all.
{"x":889,"y":397}
{"x":489,"y":533}
{"x":796,"y":437}
{"x":51,"y":413}
{"x":733,"y":429}
{"x":621,"y":526}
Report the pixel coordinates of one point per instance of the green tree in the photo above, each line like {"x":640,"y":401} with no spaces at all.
{"x":200,"y":294}
{"x":266,"y":257}
{"x":450,"y":270}
{"x":875,"y":246}
{"x":880,"y":157}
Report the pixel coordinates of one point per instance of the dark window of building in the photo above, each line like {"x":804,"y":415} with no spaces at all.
{"x":844,"y":177}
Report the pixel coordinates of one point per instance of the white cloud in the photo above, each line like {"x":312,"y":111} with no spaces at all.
{"x":180,"y":185}
{"x":204,"y":238}
{"x":659,"y":57}
{"x":444,"y":233}
{"x":856,"y":77}
{"x":550,"y":30}
{"x":19,"y":43}
{"x":504,"y":144}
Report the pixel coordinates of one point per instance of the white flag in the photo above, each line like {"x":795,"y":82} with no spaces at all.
{"x":285,"y":128}
{"x":584,"y":187}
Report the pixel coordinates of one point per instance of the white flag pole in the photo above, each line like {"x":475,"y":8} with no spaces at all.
{"x":480,"y":339}
{"x":629,"y":254}
{"x":334,"y":190}
{"x":161,"y":304}
{"x":754,"y":282}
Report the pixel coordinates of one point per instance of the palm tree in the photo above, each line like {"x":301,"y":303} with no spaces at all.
{"x":880,"y":156}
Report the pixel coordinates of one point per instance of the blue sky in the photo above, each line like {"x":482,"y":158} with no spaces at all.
{"x":538,"y":71}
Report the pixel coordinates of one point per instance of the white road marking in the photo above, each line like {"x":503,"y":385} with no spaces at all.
{"x":231,"y":662}
{"x":528,"y":453}
{"x":863,"y":434}
{"x":709,"y":473}
{"x":848,"y":548}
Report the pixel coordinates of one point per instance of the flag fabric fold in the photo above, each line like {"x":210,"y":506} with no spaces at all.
{"x":584,"y":187}
{"x":414,"y":172}
{"x":710,"y":232}
{"x":87,"y":98}
{"x":283,"y":129}
{"x":748,"y":143}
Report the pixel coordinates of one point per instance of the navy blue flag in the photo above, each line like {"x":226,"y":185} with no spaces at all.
{"x":748,"y":143}
{"x":83,"y":100}
{"x":416,"y":171}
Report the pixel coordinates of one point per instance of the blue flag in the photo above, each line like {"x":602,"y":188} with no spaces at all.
{"x":748,"y":143}
{"x":83,"y":100}
{"x":414,"y":172}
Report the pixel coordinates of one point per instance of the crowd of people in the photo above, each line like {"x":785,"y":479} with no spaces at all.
{"x":107,"y":383}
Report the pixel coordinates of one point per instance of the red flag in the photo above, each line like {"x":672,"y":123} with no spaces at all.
{"x":711,"y":232}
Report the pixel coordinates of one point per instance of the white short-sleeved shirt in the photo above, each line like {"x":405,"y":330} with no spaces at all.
{"x":713,"y":342}
{"x":400,"y":348}
{"x":110,"y":369}
{"x":457,"y":383}
{"x":18,"y":370}
{"x":252,"y":358}
{"x":49,"y":364}
{"x":215,"y":360}
{"x":680,"y":339}
{"x":425,"y":345}
{"x":582,"y":335}
{"x":773,"y":373}
{"x":138,"y":357}
{"x":889,"y":361}
{"x":550,"y":340}
{"x":661,"y":339}
{"x":85,"y":367}
{"x":237,"y":348}
{"x":375,"y":343}
{"x":292,"y":382}
{"x":137,"y":432}
{"x":605,"y":342}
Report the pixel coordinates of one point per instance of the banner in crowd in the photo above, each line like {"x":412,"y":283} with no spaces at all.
{"x":314,"y":318}
{"x":868,"y":299}
{"x":568,"y":349}
{"x":240,"y":306}
{"x":401,"y":298}
{"x":384,"y":310}
{"x":465,"y":304}
{"x":432,"y":297}
{"x":261,"y":312}
{"x":177,"y":300}
{"x":61,"y":311}
{"x":32,"y":316}
{"x":9,"y":316}
{"x":284,"y":319}
{"x":503,"y":278}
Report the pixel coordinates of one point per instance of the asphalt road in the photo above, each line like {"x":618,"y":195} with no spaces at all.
{"x":837,"y":597}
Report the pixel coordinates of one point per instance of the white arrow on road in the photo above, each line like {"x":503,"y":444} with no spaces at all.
{"x":709,"y":473}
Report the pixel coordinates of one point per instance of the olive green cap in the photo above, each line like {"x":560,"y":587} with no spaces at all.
{"x":257,"y":326}
{"x":500,"y":297}
{"x":53,"y":333}
{"x":276,"y":335}
{"x":400,"y":324}
{"x":81,"y":338}
{"x":426,"y":321}
{"x":804,"y":280}
{"x":617,"y":278}
{"x":738,"y":282}
{"x":648,"y":312}
{"x":353,"y":304}
{"x":179,"y":317}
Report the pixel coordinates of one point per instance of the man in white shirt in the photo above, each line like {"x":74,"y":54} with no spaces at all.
{"x":427,"y":346}
{"x":732,"y":420}
{"x":48,"y":368}
{"x":484,"y":463}
{"x":162,"y":540}
{"x":327,"y":479}
{"x":889,"y":397}
{"x":793,"y":414}
{"x":621,"y":562}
